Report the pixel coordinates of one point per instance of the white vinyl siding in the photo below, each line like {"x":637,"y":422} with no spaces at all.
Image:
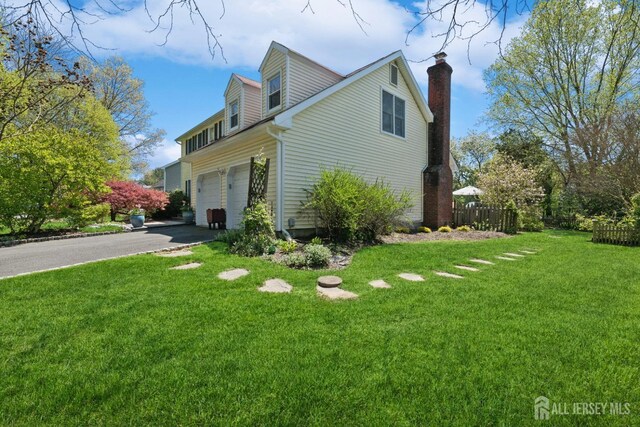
{"x":307,"y":79}
{"x":224,"y":155}
{"x":345,"y":129}
{"x":276,"y":63}
{"x":233,"y":95}
{"x":252,"y":111}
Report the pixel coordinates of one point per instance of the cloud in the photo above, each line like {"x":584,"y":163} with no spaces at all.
{"x":329,"y":35}
{"x":166,"y":152}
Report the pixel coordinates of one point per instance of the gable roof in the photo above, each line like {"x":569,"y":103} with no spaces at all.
{"x":243,"y":81}
{"x":284,"y":119}
{"x":282,"y":48}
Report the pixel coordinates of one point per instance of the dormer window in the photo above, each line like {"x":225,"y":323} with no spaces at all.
{"x":233,"y":115}
{"x":274,"y":88}
{"x":393,"y":74}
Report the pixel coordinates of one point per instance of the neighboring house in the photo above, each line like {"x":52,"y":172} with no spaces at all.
{"x":177,"y":176}
{"x":306,"y":117}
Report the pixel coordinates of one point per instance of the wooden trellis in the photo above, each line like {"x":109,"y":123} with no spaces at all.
{"x":258,"y":182}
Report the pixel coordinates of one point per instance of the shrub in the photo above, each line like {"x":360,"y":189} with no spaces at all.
{"x":403,"y":230}
{"x":177,"y":200}
{"x":634,"y":212}
{"x":424,"y":230}
{"x":287,"y":246}
{"x":88,"y":215}
{"x":317,"y":255}
{"x":257,"y":235}
{"x":126,"y":196}
{"x":445,"y":229}
{"x":316,"y":241}
{"x":464,"y":228}
{"x":350,"y":209}
{"x":230,"y":237}
{"x":295,"y":260}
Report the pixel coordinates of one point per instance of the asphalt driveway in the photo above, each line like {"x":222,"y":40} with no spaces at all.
{"x":32,"y":257}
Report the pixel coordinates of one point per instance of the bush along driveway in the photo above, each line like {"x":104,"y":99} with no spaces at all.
{"x":134,"y":341}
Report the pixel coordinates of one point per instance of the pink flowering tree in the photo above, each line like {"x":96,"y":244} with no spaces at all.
{"x":126,"y":195}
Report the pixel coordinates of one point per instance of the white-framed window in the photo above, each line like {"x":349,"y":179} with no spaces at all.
{"x":393,"y":74}
{"x":274,"y":91}
{"x":393,"y":114}
{"x":233,"y":115}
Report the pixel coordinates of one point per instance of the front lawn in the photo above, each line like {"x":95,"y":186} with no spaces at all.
{"x":129,"y":341}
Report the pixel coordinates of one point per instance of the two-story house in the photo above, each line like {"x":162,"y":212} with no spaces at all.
{"x":306,"y":117}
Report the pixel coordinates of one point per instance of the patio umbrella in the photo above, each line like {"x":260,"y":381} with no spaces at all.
{"x":468,"y":191}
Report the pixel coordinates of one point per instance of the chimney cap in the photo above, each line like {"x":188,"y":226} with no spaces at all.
{"x":440,"y":57}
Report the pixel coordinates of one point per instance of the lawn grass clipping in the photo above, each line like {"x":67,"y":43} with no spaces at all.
{"x":129,"y":341}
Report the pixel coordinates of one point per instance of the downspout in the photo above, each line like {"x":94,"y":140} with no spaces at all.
{"x":280,"y":152}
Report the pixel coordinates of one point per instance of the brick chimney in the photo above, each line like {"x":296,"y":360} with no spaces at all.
{"x":438,"y":178}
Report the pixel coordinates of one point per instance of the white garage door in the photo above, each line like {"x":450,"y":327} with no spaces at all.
{"x":238,"y":193}
{"x":208,"y":197}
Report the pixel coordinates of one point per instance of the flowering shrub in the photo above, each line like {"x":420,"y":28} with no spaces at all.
{"x":126,"y":195}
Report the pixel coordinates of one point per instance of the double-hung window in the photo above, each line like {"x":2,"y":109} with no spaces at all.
{"x":274,"y":86}
{"x":393,"y":114}
{"x":233,"y":115}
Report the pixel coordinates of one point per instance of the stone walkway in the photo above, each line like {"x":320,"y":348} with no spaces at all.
{"x":330,"y":287}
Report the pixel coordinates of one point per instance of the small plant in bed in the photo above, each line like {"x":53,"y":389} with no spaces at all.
{"x":464,"y":228}
{"x":445,"y":229}
{"x":424,"y":230}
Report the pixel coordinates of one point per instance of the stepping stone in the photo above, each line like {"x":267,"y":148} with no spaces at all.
{"x":411,"y":277}
{"x":172,"y":254}
{"x":513,"y":255}
{"x":504,"y":258}
{"x":481,"y":261}
{"x":335,"y":293}
{"x":277,"y":286}
{"x":380,"y":284}
{"x":186,"y":266}
{"x":329,"y":281}
{"x":449,"y":275}
{"x":528,"y":252}
{"x":465,"y":267}
{"x":233,"y":274}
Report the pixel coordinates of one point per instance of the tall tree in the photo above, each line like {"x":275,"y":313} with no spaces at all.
{"x":122,"y":94}
{"x":471,"y":153}
{"x":566,"y":76}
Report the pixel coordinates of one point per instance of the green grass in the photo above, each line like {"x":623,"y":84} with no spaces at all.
{"x":63,"y":227}
{"x":129,"y":341}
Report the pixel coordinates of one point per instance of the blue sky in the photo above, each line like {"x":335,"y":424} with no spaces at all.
{"x":184,"y":85}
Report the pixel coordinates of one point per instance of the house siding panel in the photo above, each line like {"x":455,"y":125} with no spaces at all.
{"x":307,"y":79}
{"x":236,"y":153}
{"x":234,"y":93}
{"x":276,"y":62}
{"x":172,"y":177}
{"x":252,"y":109}
{"x":345,"y":129}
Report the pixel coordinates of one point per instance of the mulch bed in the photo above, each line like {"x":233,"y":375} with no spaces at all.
{"x":454,"y":235}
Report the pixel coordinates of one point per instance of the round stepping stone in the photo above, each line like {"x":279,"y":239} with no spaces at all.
{"x":379,"y":284}
{"x":504,"y":258}
{"x":449,"y":275}
{"x":233,"y":274}
{"x":329,"y":281}
{"x":186,"y":266}
{"x":172,"y":254}
{"x":276,"y":286}
{"x":513,"y":255}
{"x":411,"y":277}
{"x":481,"y":261}
{"x":335,"y":293}
{"x":466,"y":267}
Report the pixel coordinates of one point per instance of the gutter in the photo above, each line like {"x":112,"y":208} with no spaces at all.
{"x":280,"y":153}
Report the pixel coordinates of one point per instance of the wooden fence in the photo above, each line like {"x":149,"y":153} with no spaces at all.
{"x":616,"y":234}
{"x":485,"y":218}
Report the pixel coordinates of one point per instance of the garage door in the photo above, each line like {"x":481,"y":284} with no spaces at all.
{"x":238,"y":193}
{"x":208,"y":197}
